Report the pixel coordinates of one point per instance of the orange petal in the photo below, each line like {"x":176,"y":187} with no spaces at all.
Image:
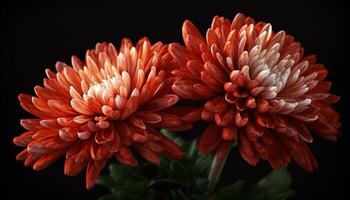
{"x":93,"y":172}
{"x":223,"y":149}
{"x":247,"y":150}
{"x":81,"y":107}
{"x":125,"y":156}
{"x":46,"y":160}
{"x":147,"y":153}
{"x":229,"y":133}
{"x":162,"y":102}
{"x":210,"y":139}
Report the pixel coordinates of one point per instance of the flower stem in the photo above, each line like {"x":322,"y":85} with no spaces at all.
{"x":215,"y":172}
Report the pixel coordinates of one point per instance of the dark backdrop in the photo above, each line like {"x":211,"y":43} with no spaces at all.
{"x":34,"y":35}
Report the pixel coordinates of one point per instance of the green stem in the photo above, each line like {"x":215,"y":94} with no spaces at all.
{"x":215,"y":172}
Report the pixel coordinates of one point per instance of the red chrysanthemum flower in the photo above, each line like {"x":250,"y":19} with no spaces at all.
{"x":258,"y":88}
{"x":108,"y":105}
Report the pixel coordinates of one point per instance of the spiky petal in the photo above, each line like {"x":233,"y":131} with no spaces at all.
{"x":104,"y":106}
{"x":258,"y":88}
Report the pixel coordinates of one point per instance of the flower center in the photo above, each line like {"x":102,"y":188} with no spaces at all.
{"x":240,"y":97}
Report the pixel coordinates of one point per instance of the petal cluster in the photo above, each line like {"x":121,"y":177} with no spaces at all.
{"x":258,"y":88}
{"x":111,"y":104}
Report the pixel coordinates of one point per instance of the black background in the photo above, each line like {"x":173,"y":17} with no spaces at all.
{"x":34,"y":35}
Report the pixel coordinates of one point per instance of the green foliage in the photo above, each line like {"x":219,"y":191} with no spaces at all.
{"x":171,"y":180}
{"x":186,"y":179}
{"x":233,"y":191}
{"x":275,"y":186}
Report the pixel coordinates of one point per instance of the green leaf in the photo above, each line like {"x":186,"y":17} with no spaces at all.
{"x":275,"y":185}
{"x":179,"y":141}
{"x":178,"y":172}
{"x":164,"y":169}
{"x":168,"y":134}
{"x":167,"y":184}
{"x":148,"y":170}
{"x":107,"y":181}
{"x":108,"y":197}
{"x":133,"y":188}
{"x":199,"y":197}
{"x":233,"y":191}
{"x":120,"y":196}
{"x":200,"y":186}
{"x":179,"y":194}
{"x":275,"y":182}
{"x":202,"y":165}
{"x":190,"y":148}
{"x":125,"y":196}
{"x":122,"y":173}
{"x":284,"y":196}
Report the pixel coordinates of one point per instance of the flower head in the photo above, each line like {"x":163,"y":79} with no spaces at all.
{"x":258,"y":89}
{"x":108,"y":105}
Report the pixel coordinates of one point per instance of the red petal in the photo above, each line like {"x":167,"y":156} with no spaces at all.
{"x":179,"y":53}
{"x":93,"y":172}
{"x":262,"y":105}
{"x":223,"y":149}
{"x":193,"y":116}
{"x":229,"y":133}
{"x":253,"y":132}
{"x":131,"y":105}
{"x":137,"y":122}
{"x":81,"y":107}
{"x":125,"y":156}
{"x":41,"y":105}
{"x":27,"y":104}
{"x":81,"y":119}
{"x":300,"y":153}
{"x":247,"y":150}
{"x":172,"y":149}
{"x":169,"y":120}
{"x":50,"y":124}
{"x":162,"y":102}
{"x":241,"y":119}
{"x":212,"y":82}
{"x":73,"y":78}
{"x":189,"y":28}
{"x":94,"y":105}
{"x":210,"y":139}
{"x":24,"y":139}
{"x":186,"y":90}
{"x":67,"y":134}
{"x":76,"y":63}
{"x":277,"y":155}
{"x":46,"y":160}
{"x":98,"y":138}
{"x":204,"y":91}
{"x":149,"y":117}
{"x":136,"y":137}
{"x":215,"y":71}
{"x":23,"y":155}
{"x":207,"y":115}
{"x":195,"y":67}
{"x":154,"y":146}
{"x":116,"y":142}
{"x":31,"y":159}
{"x":72,"y":168}
{"x":147,"y":153}
{"x":45,"y":94}
{"x":125,"y":134}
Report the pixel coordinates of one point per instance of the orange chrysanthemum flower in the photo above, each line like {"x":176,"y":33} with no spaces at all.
{"x":258,"y":88}
{"x":109,"y":104}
